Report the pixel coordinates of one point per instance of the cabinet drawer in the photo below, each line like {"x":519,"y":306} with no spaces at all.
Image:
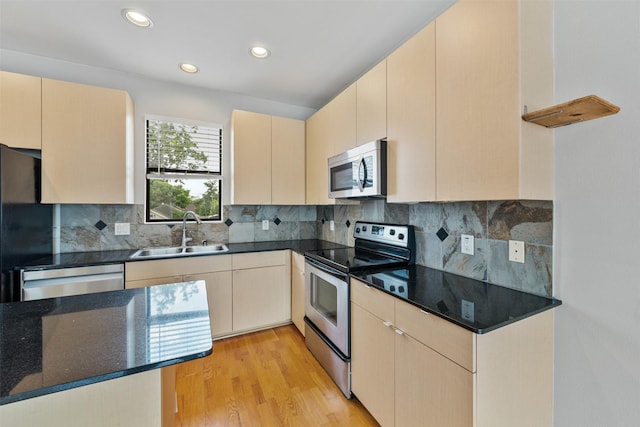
{"x":373,"y":300}
{"x":139,"y":270}
{"x":259,"y":259}
{"x":448,"y":339}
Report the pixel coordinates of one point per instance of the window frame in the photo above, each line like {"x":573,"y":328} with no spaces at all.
{"x":177,"y":175}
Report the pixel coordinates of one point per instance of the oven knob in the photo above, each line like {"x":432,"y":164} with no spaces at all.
{"x":392,"y":232}
{"x":364,"y":228}
{"x":357,"y":230}
{"x":400,"y":236}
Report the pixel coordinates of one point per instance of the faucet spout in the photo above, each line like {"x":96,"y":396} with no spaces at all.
{"x":186,"y":239}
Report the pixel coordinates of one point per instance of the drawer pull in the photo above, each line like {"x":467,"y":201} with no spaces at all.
{"x":424,"y":312}
{"x":366,"y":286}
{"x":399,"y":331}
{"x":387,"y":324}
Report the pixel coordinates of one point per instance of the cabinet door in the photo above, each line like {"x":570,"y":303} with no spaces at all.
{"x":220,"y":299}
{"x":87,"y":144}
{"x":297,"y":291}
{"x":261,"y":297}
{"x":143,"y":283}
{"x":431,"y":390}
{"x":411,"y":128}
{"x":342,"y":121}
{"x":372,"y":364}
{"x":318,"y":149}
{"x":287,"y":161}
{"x":251,"y":153}
{"x":20,"y":110}
{"x":478,"y":114}
{"x":371,"y":105}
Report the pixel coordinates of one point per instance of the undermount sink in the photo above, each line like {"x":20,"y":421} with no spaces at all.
{"x":180,"y":251}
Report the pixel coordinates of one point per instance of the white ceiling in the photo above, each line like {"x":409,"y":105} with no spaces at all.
{"x":318,"y":46}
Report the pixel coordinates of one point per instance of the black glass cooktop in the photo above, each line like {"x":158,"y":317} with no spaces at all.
{"x":354,"y":259}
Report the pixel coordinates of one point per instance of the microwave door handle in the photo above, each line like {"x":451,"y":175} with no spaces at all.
{"x":362,"y":182}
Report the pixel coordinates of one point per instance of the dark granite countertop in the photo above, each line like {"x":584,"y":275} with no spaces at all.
{"x":56,"y":344}
{"x":75,"y":259}
{"x":475,"y":305}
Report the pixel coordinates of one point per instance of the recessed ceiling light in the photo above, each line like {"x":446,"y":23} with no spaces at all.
{"x":137,"y":18}
{"x":259,"y":52}
{"x":188,"y":68}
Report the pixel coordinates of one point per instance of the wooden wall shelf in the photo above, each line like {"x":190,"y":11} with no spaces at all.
{"x":579,"y":110}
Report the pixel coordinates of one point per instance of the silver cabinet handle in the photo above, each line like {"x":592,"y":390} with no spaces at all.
{"x":387,"y":324}
{"x":399,"y":331}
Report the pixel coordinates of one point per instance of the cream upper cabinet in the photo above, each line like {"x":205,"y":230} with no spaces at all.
{"x":87,"y":144}
{"x":411,"y":368}
{"x":371,"y":105}
{"x":20,"y":110}
{"x":251,"y":154}
{"x":342,"y":121}
{"x":268,"y":159}
{"x":484,"y":150}
{"x":318,"y":143}
{"x":287,"y":161}
{"x":411,"y":135}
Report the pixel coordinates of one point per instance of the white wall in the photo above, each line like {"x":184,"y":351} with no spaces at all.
{"x":154,"y":97}
{"x":597,"y":217}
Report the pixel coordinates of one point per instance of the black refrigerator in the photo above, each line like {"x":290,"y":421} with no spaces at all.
{"x":25,"y":224}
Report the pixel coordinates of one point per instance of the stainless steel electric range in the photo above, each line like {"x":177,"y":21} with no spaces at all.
{"x":327,"y":292}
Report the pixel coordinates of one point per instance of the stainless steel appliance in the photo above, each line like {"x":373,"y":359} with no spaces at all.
{"x":25,"y":224}
{"x":360,"y":172}
{"x":60,"y":282}
{"x":327,"y":291}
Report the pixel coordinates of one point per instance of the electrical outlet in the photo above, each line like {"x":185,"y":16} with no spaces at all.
{"x":467,"y":244}
{"x":516,"y":251}
{"x":467,"y":310}
{"x":122,"y":229}
{"x":332,"y":225}
{"x":265,"y":224}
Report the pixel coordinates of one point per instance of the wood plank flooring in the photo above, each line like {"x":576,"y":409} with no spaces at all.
{"x":266,"y":378}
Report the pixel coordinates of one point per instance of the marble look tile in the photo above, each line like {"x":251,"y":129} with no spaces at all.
{"x":373,"y":210}
{"x":534,"y":276}
{"x":241,"y":232}
{"x":426,"y":217}
{"x":396,"y":213}
{"x":325,"y":212}
{"x":473,"y":266}
{"x":465,"y":218}
{"x":307,"y":213}
{"x":267,"y":212}
{"x":79,"y":215}
{"x":284,"y":231}
{"x":242,"y":213}
{"x":428,"y":250}
{"x":529,"y":221}
{"x":151,"y":235}
{"x":118,"y":213}
{"x":308,"y":230}
{"x":79,"y":239}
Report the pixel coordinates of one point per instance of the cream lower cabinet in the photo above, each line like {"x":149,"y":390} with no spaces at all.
{"x":261,"y":290}
{"x":410,"y":368}
{"x":297,"y":291}
{"x":214,"y":270}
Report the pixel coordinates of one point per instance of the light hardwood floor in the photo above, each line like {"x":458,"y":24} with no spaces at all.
{"x":267,"y":378}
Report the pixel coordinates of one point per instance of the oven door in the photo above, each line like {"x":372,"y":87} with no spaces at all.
{"x":327,"y":303}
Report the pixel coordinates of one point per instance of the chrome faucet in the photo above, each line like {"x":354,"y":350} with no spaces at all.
{"x":186,"y":239}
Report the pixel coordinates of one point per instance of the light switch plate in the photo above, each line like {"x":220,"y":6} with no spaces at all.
{"x":516,"y":251}
{"x":332,"y":225}
{"x":265,"y":224}
{"x":122,"y":229}
{"x":467,"y":245}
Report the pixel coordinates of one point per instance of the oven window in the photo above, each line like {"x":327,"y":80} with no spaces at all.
{"x":342,"y":177}
{"x":324,"y":299}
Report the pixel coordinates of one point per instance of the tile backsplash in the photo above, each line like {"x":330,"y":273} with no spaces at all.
{"x":493,"y":223}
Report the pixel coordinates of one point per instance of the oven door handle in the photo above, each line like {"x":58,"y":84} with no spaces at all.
{"x":325,"y":268}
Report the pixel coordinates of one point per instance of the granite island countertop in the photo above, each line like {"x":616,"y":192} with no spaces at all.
{"x":55,"y":344}
{"x":472,"y":304}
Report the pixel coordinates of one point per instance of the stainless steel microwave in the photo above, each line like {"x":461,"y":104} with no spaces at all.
{"x":359,"y":172}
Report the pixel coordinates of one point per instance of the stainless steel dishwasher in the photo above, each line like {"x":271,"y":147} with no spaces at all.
{"x":60,"y":282}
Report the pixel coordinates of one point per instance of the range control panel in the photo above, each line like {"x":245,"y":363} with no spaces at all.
{"x":398,"y":235}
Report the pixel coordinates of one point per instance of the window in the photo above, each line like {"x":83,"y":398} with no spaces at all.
{"x":184,"y":170}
